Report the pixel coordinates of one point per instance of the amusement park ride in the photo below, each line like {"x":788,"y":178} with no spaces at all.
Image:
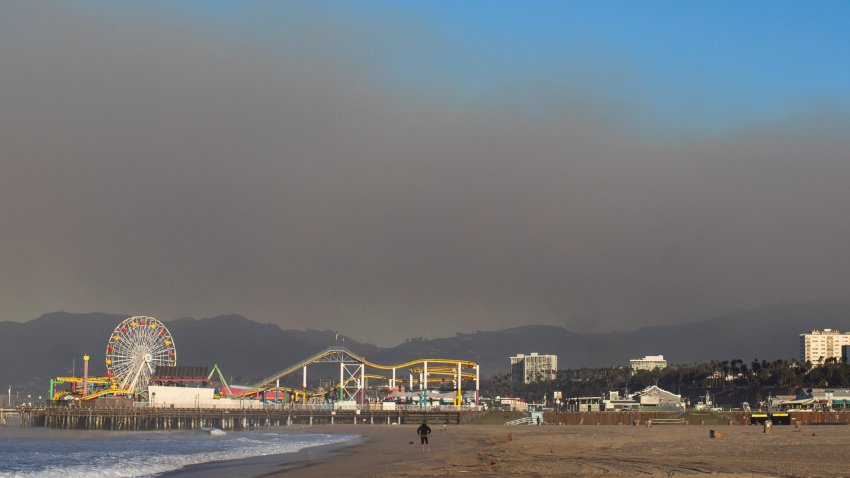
{"x":135,"y":348}
{"x":139,"y":345}
{"x":353,"y":376}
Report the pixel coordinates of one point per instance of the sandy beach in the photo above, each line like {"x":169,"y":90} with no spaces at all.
{"x":813,"y":451}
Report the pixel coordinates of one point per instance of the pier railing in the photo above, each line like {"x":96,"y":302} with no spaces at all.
{"x":225,"y":419}
{"x":5,"y":413}
{"x":339,"y":406}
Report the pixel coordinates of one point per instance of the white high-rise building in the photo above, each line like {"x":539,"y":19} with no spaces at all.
{"x":533,"y":367}
{"x":649,"y":362}
{"x":819,"y":345}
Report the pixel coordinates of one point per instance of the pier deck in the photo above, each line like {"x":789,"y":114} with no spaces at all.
{"x":135,"y":419}
{"x":5,"y":413}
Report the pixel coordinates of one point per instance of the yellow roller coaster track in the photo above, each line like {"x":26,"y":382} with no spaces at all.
{"x":98,"y":380}
{"x":340,"y":354}
{"x":102,"y":393}
{"x":450,"y":371}
{"x":77,"y":381}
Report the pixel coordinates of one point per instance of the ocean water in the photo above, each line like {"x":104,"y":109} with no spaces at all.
{"x":43,"y":452}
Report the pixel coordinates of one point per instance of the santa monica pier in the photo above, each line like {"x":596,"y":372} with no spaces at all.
{"x":145,"y":389}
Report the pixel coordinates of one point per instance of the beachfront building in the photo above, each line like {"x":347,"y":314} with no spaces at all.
{"x":820,"y":345}
{"x":615,"y":402}
{"x":656,"y":398}
{"x":649,"y":362}
{"x":513,"y":404}
{"x":533,"y":367}
{"x":818,"y":399}
{"x":652,"y":398}
{"x":585,"y":404}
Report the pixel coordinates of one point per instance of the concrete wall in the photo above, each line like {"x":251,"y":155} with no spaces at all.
{"x":180,"y":397}
{"x":233,"y":403}
{"x":187,"y":397}
{"x":602,"y":418}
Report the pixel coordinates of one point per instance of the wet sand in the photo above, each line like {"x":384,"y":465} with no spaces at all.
{"x":614,"y":451}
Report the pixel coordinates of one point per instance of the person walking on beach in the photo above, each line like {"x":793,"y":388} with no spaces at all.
{"x":423,"y":431}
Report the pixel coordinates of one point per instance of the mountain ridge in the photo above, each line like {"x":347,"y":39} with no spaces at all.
{"x":53,"y":344}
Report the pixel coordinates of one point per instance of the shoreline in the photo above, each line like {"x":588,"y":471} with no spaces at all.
{"x":376,"y":450}
{"x":383,"y":451}
{"x":270,"y":465}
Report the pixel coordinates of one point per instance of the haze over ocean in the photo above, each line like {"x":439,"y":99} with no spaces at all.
{"x":398,"y":169}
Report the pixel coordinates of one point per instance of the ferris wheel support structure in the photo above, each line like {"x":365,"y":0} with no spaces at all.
{"x":137,"y":346}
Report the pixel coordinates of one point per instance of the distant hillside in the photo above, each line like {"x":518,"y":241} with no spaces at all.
{"x":32,"y":352}
{"x":766,"y":333}
{"x":49,"y":346}
{"x":492,"y":349}
{"x":247,"y":350}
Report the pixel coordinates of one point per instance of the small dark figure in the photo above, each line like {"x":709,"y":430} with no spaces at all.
{"x":423,"y":431}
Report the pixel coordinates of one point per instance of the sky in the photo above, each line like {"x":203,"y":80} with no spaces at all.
{"x":402,"y":169}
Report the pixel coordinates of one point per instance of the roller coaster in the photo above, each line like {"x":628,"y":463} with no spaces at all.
{"x":140,"y":344}
{"x":85,"y":388}
{"x":353,"y":376}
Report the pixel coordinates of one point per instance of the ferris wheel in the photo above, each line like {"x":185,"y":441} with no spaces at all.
{"x":136,"y":347}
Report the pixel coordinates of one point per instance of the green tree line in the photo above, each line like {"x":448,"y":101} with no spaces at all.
{"x":728,"y":382}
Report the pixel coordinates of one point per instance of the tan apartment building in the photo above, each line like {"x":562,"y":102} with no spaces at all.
{"x":819,"y":345}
